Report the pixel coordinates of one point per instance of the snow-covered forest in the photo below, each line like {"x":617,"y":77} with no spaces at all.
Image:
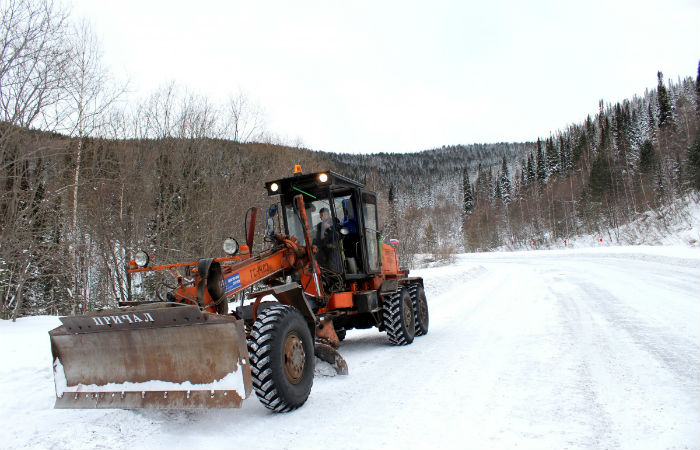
{"x":590,"y":177}
{"x":86,"y":178}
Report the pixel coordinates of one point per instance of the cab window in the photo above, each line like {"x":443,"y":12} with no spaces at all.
{"x":369,"y":212}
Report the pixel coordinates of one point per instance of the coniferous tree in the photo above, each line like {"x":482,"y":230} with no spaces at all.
{"x":620,"y":134}
{"x":490,"y":183}
{"x":468,"y":196}
{"x":664,"y":102}
{"x":694,"y":162}
{"x":541,"y":164}
{"x":599,"y":180}
{"x":604,"y":132}
{"x":646,"y":157}
{"x":531,"y":175}
{"x":552,"y":157}
{"x":505,"y":188}
{"x":479,"y":186}
{"x":652,"y":121}
{"x":581,"y":142}
{"x":563,"y":165}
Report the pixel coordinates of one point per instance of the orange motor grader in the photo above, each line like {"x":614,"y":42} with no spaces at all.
{"x":325,"y":270}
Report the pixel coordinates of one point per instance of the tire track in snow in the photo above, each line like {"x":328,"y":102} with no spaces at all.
{"x":676,"y":353}
{"x":645,"y":373}
{"x":581,"y":352}
{"x":518,"y":378}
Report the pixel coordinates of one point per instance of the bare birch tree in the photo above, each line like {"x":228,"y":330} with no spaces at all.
{"x":32,"y":57}
{"x":245,"y":120}
{"x":89,"y":92}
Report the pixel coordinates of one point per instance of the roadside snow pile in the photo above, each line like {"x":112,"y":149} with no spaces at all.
{"x":677,"y":224}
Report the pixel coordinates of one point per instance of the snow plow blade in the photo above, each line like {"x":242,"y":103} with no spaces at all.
{"x":161,"y":356}
{"x":327,"y":353}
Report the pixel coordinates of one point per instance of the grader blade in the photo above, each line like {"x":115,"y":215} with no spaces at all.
{"x":327,"y":353}
{"x":162,"y":356}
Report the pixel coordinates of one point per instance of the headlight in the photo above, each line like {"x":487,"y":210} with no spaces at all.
{"x":141,"y":258}
{"x":323,"y":177}
{"x":231,"y":246}
{"x":274,"y":187}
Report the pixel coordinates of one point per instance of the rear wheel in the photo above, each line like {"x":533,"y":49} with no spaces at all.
{"x":420,"y":309}
{"x":398,"y":318}
{"x":282,"y":358}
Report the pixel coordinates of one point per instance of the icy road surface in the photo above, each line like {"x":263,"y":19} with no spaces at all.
{"x":578,"y":349}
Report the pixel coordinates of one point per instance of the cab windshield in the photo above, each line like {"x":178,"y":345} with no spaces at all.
{"x":323,"y":228}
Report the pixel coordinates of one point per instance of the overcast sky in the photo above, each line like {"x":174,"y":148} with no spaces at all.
{"x":370,"y":76}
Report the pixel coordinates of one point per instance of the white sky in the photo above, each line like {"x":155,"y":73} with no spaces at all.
{"x":370,"y":76}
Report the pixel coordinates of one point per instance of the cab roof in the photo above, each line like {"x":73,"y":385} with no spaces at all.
{"x":311,"y":182}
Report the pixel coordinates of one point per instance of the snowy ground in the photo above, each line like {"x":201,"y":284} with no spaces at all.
{"x":581,"y":349}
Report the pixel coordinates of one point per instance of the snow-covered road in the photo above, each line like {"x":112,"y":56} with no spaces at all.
{"x":580,"y":349}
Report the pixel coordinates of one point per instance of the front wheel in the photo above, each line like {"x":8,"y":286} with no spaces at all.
{"x":282,"y":358}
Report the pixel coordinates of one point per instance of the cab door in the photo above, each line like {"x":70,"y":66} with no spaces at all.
{"x":371,"y":232}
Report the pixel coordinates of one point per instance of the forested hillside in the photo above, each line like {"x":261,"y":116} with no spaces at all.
{"x":589,"y":177}
{"x":64,"y":244}
{"x":85,"y":180}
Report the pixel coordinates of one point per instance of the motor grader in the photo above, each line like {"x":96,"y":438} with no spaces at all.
{"x":324,"y":270}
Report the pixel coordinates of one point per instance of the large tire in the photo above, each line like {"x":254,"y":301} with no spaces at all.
{"x":398,"y":318}
{"x":281,"y":358}
{"x":420,"y":308}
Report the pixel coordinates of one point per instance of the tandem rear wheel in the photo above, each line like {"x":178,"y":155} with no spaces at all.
{"x":405,"y":314}
{"x":398,"y":317}
{"x":420,"y":308}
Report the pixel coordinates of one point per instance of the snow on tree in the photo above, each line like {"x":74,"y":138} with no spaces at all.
{"x":467,"y":194}
{"x":504,"y":184}
{"x":541,"y":164}
{"x":665,"y":112}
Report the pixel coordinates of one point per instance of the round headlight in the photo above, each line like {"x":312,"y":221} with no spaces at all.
{"x":231,"y":246}
{"x":274,"y":187}
{"x":323,"y":177}
{"x":141,"y":258}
